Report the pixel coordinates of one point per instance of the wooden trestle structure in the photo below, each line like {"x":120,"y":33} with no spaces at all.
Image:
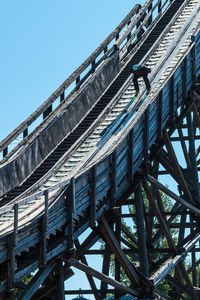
{"x":50,"y":196}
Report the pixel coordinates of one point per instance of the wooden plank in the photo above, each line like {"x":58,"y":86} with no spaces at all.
{"x":114,"y":245}
{"x":102,"y":277}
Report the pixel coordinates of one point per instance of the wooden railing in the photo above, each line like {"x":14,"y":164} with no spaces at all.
{"x":115,"y":170}
{"x":189,"y":61}
{"x":123,"y":38}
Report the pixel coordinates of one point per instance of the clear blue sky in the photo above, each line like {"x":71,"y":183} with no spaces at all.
{"x":42,"y":43}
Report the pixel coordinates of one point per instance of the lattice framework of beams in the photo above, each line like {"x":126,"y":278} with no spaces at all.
{"x":155,"y":247}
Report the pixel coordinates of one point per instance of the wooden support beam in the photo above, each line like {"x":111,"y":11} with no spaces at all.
{"x":37,"y":280}
{"x":194,"y":69}
{"x":129,"y":234}
{"x":165,"y":268}
{"x":93,"y":197}
{"x":176,"y":166}
{"x":185,"y":152}
{"x":62,"y":96}
{"x":130,"y":155}
{"x":48,"y":288}
{"x":45,"y":222}
{"x":102,"y":277}
{"x":159,"y":216}
{"x":177,"y":285}
{"x":90,"y":278}
{"x":188,"y":282}
{"x":105,"y":270}
{"x":118,"y":237}
{"x":70,"y":210}
{"x":91,"y":239}
{"x":139,"y":205}
{"x":114,"y":245}
{"x":194,"y":172}
{"x":184,"y":82}
{"x":171,"y":194}
{"x":159,"y":114}
{"x":196,"y":115}
{"x":113,"y":180}
{"x":181,"y":233}
{"x":146,"y":138}
{"x":60,"y":289}
{"x":168,"y":236}
{"x":12,"y":242}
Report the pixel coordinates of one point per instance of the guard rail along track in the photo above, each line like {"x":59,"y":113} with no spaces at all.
{"x":93,"y":173}
{"x":31,"y":156}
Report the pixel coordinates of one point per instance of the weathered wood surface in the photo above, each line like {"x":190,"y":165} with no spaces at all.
{"x":85,"y":190}
{"x":26,"y":154}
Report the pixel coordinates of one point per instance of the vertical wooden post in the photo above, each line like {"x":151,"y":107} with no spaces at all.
{"x":93,"y":196}
{"x":77,"y":81}
{"x":113,"y":180}
{"x":184,"y":88}
{"x":130,"y":155}
{"x":70,"y":211}
{"x":118,"y":236}
{"x":159,"y":115}
{"x":45,"y":221}
{"x":117,"y":36}
{"x":144,"y":265}
{"x":12,"y":242}
{"x":93,"y":66}
{"x":60,"y":288}
{"x":47,"y":111}
{"x":159,"y":6}
{"x":5,"y":151}
{"x":62,"y":96}
{"x":172,"y":108}
{"x":105,"y":270}
{"x":194,"y":69}
{"x":150,"y":18}
{"x":192,"y":154}
{"x":25,"y":133}
{"x":146,"y":138}
{"x":15,"y":232}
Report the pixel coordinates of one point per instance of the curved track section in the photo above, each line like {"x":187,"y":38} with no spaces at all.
{"x":118,"y":146}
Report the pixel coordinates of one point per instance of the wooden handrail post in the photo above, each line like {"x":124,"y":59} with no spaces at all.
{"x":44,"y":229}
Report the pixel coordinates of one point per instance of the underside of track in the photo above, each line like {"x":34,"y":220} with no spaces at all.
{"x":106,"y":165}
